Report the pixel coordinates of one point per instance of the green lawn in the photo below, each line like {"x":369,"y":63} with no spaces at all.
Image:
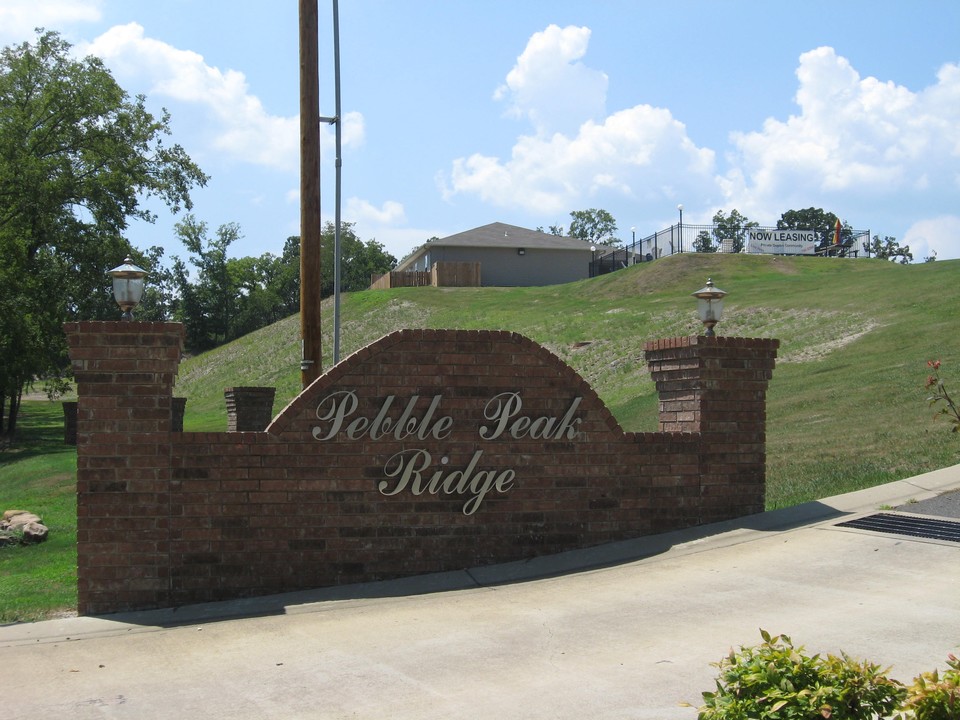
{"x":39,"y":474}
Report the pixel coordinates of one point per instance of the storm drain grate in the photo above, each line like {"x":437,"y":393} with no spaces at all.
{"x":919,"y":527}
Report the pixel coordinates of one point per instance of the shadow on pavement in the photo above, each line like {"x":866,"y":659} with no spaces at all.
{"x":539,"y":568}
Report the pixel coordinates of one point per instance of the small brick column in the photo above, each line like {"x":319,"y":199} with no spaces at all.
{"x":249,"y":409}
{"x":716,"y":386}
{"x":125,"y":373}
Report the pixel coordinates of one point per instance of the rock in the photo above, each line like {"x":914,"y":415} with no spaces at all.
{"x":8,"y":515}
{"x":34,"y":533}
{"x":22,"y":526}
{"x":18,"y":519}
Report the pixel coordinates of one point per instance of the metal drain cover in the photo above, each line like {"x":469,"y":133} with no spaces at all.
{"x":919,"y":527}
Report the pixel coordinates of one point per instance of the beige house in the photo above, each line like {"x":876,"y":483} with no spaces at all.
{"x":509,"y":256}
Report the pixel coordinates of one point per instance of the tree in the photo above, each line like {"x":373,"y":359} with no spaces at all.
{"x":889,"y":249}
{"x":731,"y":229}
{"x":367,"y":259}
{"x":704,"y":243}
{"x":596,"y":227}
{"x":207,"y":305}
{"x":160,"y":299}
{"x":284,"y":281}
{"x":77,"y":157}
{"x":230,"y":297}
{"x":825,"y":223}
{"x":227,"y":298}
{"x":260,"y":286}
{"x":358,"y":260}
{"x":552,"y":230}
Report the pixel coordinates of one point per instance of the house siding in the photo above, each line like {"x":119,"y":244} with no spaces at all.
{"x":505,"y":267}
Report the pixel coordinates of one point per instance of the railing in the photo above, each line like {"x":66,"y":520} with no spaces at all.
{"x":689,"y":238}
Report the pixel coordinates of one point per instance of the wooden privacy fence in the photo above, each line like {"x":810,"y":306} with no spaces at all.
{"x":413,"y":278}
{"x":456,"y":274}
{"x":442,"y":274}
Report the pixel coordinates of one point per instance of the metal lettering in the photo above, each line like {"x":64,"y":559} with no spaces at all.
{"x":502,"y":408}
{"x":340,"y":405}
{"x":340,"y":408}
{"x":412,"y":470}
{"x":408,"y":468}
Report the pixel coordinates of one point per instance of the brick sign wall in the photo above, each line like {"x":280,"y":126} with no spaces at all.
{"x":429,"y":450}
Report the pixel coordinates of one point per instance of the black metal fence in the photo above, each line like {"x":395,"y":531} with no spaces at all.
{"x":688,"y":238}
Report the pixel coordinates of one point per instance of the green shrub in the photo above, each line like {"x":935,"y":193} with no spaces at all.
{"x":933,"y":697}
{"x":776,"y":681}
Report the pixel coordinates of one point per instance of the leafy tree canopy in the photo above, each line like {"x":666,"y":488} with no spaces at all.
{"x":594,"y":226}
{"x":77,"y":158}
{"x":815,"y":219}
{"x":731,"y":229}
{"x":359,"y":260}
{"x":890,"y":249}
{"x":703,"y":243}
{"x":552,"y":230}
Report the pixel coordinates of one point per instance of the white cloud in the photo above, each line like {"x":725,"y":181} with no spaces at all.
{"x":361,"y":211}
{"x":19,"y":18}
{"x":353,"y":132}
{"x":548,"y":85}
{"x":857,"y":143}
{"x":940,"y":235}
{"x":641,"y":154}
{"x":242,"y":127}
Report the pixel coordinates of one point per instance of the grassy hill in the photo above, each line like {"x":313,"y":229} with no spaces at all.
{"x":846,"y":405}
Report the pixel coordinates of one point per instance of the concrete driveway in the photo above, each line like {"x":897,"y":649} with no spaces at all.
{"x":623,"y":631}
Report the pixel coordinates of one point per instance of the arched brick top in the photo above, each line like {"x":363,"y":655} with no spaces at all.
{"x":478,"y":363}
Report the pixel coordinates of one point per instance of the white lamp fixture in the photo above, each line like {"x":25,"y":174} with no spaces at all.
{"x":709,"y":305}
{"x":127,"y":286}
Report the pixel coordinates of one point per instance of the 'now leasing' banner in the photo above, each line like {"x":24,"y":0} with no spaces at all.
{"x":782,"y":242}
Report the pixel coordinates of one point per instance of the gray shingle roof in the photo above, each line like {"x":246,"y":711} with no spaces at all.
{"x":502,"y":235}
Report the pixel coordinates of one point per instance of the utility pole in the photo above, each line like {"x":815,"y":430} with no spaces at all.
{"x":310,"y":357}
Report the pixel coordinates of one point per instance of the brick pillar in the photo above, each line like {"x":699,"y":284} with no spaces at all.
{"x":716,"y":386}
{"x":249,"y":409}
{"x":125,"y":373}
{"x":675,"y":368}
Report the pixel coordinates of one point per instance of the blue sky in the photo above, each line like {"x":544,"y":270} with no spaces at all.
{"x":458,"y":113}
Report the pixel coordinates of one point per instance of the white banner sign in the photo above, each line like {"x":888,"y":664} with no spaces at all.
{"x":782,"y":242}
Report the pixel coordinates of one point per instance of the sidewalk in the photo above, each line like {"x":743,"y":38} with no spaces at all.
{"x":622,"y":631}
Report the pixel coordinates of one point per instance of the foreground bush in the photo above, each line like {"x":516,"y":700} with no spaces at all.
{"x":777,"y":681}
{"x":934,"y":697}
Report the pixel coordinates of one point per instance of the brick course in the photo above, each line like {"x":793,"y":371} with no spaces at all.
{"x":168,"y":518}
